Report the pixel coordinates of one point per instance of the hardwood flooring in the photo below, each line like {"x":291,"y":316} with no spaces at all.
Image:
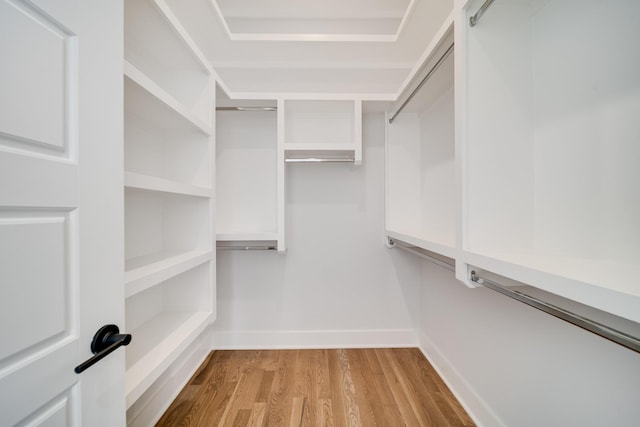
{"x":362,"y":387}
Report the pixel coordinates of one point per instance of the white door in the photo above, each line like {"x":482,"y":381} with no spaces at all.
{"x":61,"y":210}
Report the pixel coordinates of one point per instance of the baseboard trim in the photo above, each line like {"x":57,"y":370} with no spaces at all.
{"x":475,"y":406}
{"x":274,"y":340}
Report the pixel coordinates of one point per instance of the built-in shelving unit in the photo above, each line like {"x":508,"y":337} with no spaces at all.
{"x":421,"y":192}
{"x":321,"y":130}
{"x":169,"y":192}
{"x":549,"y":136}
{"x":249,"y":175}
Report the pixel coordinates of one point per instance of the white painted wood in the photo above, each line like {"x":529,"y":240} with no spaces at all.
{"x":246,"y":236}
{"x":421,"y":183}
{"x":246,"y":172}
{"x":281,"y":176}
{"x":148,"y":409}
{"x":146,"y":182}
{"x":279,"y":339}
{"x":146,"y":271}
{"x":60,"y":145}
{"x":157,"y":222}
{"x":162,"y":99}
{"x":319,"y":122}
{"x":429,"y":245}
{"x":169,"y":203}
{"x":156,"y":44}
{"x":168,"y":318}
{"x":550,"y":144}
{"x":322,"y":129}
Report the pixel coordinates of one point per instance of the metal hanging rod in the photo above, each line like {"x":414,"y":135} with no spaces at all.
{"x":597,"y":328}
{"x":475,"y":18}
{"x":246,"y":108}
{"x":320,"y":160}
{"x":422,"y":82}
{"x":247,"y":248}
{"x":440,"y":260}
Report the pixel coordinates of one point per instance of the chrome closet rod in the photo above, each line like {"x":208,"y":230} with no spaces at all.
{"x":423,"y":253}
{"x":246,"y":108}
{"x":247,"y":248}
{"x":424,"y":80}
{"x":319,"y":160}
{"x":597,"y":328}
{"x":475,"y":18}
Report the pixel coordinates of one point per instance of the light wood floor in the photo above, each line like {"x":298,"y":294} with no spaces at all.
{"x":364,"y":387}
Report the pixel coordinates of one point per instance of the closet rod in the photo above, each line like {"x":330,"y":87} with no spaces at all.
{"x":246,"y":108}
{"x":320,"y":160}
{"x":475,"y":18}
{"x":422,"y":82}
{"x":423,"y":253}
{"x":597,"y":328}
{"x":247,"y":248}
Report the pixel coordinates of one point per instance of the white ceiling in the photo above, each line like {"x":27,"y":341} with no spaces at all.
{"x":359,"y":47}
{"x":311,"y":20}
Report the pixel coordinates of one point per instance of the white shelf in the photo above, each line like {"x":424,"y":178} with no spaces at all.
{"x":156,"y":44}
{"x":247,"y":236}
{"x":600,"y":284}
{"x":147,"y":100}
{"x":143,"y":272}
{"x":156,"y":345}
{"x":437,"y":247}
{"x":169,"y":158}
{"x":152,"y":183}
{"x":324,"y":129}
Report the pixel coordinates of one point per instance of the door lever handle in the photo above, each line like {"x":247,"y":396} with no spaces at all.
{"x":107,"y":339}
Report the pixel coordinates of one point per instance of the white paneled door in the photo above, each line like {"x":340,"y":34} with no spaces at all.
{"x":61,"y":210}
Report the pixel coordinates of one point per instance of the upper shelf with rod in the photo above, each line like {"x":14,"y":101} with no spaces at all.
{"x":421,"y":194}
{"x":249,"y":175}
{"x":318,"y":131}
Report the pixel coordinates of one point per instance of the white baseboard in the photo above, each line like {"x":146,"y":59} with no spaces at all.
{"x":270,"y":340}
{"x":477,"y":408}
{"x":148,"y":409}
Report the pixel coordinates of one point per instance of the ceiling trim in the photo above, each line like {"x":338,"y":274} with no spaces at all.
{"x":302,"y":37}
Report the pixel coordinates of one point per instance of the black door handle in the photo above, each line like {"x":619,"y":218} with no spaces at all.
{"x":107,"y":339}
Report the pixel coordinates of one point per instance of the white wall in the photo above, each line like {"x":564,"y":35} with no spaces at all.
{"x":337,"y":285}
{"x":513,"y":365}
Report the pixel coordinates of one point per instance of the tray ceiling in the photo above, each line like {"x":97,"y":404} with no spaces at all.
{"x":263,"y":48}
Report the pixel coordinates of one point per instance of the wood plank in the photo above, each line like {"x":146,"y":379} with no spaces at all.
{"x":325,"y":415}
{"x":338,"y":407}
{"x":297,"y":408}
{"x":352,"y":411}
{"x":396,"y":386}
{"x":257,"y":415}
{"x":368,"y":400}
